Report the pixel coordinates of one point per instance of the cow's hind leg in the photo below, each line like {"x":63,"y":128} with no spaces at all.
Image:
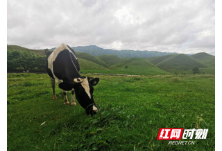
{"x":73,"y":100}
{"x":53,"y":88}
{"x":65,"y":97}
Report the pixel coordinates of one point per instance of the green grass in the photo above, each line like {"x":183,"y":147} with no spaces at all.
{"x":132,"y":109}
{"x":209,"y":70}
{"x":179,"y":63}
{"x":156,"y":60}
{"x":91,"y":58}
{"x":110,"y":59}
{"x":19,"y":48}
{"x":205,"y":58}
{"x":137,"y":66}
{"x":88,"y":65}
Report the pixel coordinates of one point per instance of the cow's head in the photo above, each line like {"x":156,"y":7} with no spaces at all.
{"x":84,"y":94}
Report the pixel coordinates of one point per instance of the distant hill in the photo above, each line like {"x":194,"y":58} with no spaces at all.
{"x":179,"y":62}
{"x":88,"y":65}
{"x":174,"y":63}
{"x":205,"y":58}
{"x":109,"y":59}
{"x":156,"y":60}
{"x":19,"y":48}
{"x":137,"y":66}
{"x":97,"y":51}
{"x":91,"y":58}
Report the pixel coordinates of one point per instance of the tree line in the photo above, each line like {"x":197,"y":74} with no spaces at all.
{"x":25,"y":61}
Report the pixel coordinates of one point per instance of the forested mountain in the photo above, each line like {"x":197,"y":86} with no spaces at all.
{"x":97,"y":51}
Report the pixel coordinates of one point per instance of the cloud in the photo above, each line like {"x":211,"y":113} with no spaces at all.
{"x":169,"y":25}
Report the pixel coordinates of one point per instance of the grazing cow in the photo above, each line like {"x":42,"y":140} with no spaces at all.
{"x":63,"y":68}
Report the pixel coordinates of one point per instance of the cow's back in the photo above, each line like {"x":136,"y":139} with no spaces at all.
{"x":63,"y":65}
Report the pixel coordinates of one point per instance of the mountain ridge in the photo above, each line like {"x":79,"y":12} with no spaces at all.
{"x":97,"y":51}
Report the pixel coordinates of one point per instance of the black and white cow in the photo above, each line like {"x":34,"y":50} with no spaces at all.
{"x":63,"y":68}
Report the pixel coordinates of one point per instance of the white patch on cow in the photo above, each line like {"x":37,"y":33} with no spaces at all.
{"x":53,"y":56}
{"x":78,"y":80}
{"x":95,"y":109}
{"x":58,"y":81}
{"x":85,"y":85}
{"x":73,"y":100}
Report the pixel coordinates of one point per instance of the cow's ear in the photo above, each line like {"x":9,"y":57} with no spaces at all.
{"x":90,"y":78}
{"x":78,"y":80}
{"x":94,"y":81}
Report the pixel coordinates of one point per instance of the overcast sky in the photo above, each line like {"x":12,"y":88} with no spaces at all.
{"x":182,"y":26}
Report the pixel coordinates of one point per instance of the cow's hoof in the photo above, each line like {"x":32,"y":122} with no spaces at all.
{"x":54,"y":97}
{"x":73,"y":103}
{"x":66,"y":103}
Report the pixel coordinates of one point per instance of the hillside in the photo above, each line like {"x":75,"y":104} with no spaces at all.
{"x":137,"y":66}
{"x":109,"y":59}
{"x":179,"y":62}
{"x":19,"y":48}
{"x":205,"y":58}
{"x":91,"y":58}
{"x":97,"y":51}
{"x":156,"y":60}
{"x":88,"y":65}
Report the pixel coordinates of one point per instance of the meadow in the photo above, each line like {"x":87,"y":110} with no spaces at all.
{"x":131,"y":111}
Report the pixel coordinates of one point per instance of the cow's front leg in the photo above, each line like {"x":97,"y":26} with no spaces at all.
{"x":65,"y":97}
{"x":73,"y":100}
{"x":53,"y":88}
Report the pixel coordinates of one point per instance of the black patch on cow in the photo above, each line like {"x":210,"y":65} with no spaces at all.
{"x":90,"y":111}
{"x":65,"y":69}
{"x":65,"y":86}
{"x":49,"y":72}
{"x":82,"y":97}
{"x":74,"y":59}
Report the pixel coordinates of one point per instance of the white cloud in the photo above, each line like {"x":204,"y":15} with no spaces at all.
{"x":169,"y":25}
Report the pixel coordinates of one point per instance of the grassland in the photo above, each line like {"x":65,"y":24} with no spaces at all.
{"x":88,"y":65}
{"x":179,"y":63}
{"x":131,"y":111}
{"x":91,"y":58}
{"x":137,"y":66}
{"x":110,"y":59}
{"x":205,"y":58}
{"x":159,"y":59}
